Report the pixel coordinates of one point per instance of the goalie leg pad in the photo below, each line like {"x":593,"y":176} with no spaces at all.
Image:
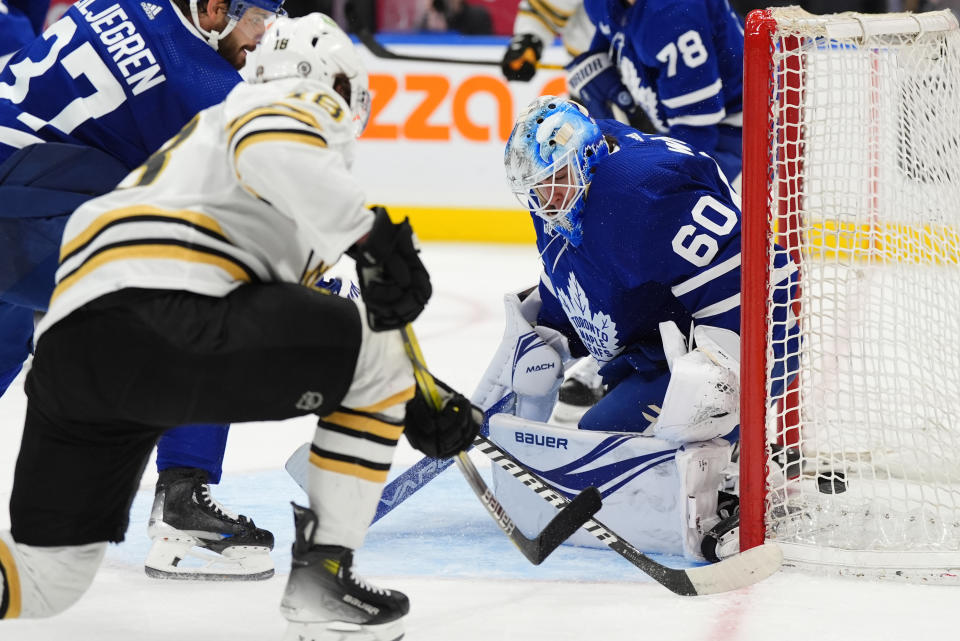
{"x":701,"y":468}
{"x":643,"y":500}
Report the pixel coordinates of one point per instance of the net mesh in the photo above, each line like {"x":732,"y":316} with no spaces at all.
{"x":865,"y":196}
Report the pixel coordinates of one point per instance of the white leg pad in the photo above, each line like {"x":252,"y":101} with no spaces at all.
{"x":701,"y":467}
{"x":48,"y":579}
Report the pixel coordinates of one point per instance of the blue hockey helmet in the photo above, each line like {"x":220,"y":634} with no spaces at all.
{"x":249,"y":16}
{"x":238,"y":7}
{"x":550,"y":158}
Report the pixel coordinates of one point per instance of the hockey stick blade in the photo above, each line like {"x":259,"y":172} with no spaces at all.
{"x":366,"y":37}
{"x":535,"y":549}
{"x":559,"y":529}
{"x":732,"y":573}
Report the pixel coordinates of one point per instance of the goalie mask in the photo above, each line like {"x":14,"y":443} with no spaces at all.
{"x":315,"y":47}
{"x":550,"y":158}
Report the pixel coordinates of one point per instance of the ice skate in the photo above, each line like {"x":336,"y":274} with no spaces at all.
{"x":194,"y":537}
{"x":326,"y":601}
{"x":580,"y":391}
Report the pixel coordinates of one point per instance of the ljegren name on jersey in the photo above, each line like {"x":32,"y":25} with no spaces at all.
{"x":127,"y":47}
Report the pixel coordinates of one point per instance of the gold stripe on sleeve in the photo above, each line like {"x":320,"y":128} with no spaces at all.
{"x":286,"y":111}
{"x":306,"y":138}
{"x":13,"y":581}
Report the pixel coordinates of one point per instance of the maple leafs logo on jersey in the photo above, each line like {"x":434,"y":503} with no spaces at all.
{"x":643,"y":95}
{"x":150,"y":9}
{"x":597,"y":330}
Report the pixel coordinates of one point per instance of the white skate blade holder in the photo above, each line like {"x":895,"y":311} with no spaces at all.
{"x":342,"y":631}
{"x":182,"y":556}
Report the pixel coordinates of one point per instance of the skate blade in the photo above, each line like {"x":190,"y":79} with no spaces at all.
{"x":184,"y":559}
{"x":340,"y":631}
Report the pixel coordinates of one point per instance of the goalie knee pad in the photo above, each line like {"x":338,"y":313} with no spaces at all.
{"x":40,"y":582}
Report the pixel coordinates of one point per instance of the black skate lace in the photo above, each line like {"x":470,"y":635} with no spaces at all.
{"x":212,"y":503}
{"x":359,"y":581}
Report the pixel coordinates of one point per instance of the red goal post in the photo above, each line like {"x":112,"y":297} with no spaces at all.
{"x":852,"y":168}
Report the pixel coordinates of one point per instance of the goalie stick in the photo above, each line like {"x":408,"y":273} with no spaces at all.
{"x":731,"y":573}
{"x":363,"y":33}
{"x":572,"y":515}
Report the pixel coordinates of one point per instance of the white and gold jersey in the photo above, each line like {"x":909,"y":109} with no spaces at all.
{"x":255,"y":189}
{"x":547,"y":19}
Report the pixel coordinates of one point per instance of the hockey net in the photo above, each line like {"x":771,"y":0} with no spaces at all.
{"x":852,"y":167}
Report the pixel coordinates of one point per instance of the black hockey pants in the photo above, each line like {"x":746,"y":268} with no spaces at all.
{"x":108,"y":380}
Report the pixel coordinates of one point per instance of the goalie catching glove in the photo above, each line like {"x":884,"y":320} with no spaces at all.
{"x":393,"y":281}
{"x":445,"y":433}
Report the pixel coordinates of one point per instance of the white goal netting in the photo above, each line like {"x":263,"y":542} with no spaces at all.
{"x":864,"y":194}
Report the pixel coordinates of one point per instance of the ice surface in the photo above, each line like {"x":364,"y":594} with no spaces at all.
{"x":465,"y":580}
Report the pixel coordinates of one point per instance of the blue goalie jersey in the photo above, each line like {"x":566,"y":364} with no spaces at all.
{"x":661,"y":242}
{"x":122,"y":76}
{"x":682,"y":62}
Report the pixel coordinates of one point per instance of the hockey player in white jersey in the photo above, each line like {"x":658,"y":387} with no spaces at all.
{"x":197,"y":279}
{"x":537,"y":23}
{"x":639,"y":236}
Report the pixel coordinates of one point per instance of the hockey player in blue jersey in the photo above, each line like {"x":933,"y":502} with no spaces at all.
{"x":679,"y":61}
{"x":20,"y":22}
{"x":102,"y":89}
{"x":639,"y":236}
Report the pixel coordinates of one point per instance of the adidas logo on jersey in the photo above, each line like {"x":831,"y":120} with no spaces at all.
{"x":150,"y":9}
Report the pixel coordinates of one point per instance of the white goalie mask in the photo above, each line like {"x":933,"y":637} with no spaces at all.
{"x":315,"y":47}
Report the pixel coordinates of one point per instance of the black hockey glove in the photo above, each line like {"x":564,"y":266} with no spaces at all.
{"x":393,"y":282}
{"x":520,"y":60}
{"x":442,"y":434}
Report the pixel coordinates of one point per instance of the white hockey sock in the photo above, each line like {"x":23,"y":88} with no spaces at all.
{"x":349,"y":462}
{"x":40,"y":582}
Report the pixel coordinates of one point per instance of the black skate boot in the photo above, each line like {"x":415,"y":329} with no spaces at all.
{"x":194,"y":537}
{"x":326,"y":601}
{"x":723,"y":539}
{"x":580,"y":391}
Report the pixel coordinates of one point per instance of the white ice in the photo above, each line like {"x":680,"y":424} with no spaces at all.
{"x":465,"y":580}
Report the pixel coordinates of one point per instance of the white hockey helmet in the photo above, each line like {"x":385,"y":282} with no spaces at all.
{"x":313,"y":46}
